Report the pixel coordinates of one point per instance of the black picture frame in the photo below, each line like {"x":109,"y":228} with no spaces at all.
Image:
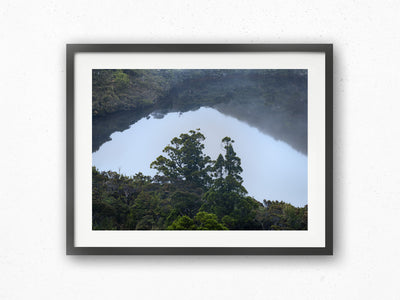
{"x":73,"y":49}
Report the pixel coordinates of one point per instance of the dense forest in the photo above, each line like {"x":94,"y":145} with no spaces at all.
{"x":126,"y":90}
{"x":190,"y":192}
{"x":274,"y":101}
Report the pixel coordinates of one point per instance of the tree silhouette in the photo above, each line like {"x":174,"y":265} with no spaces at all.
{"x":186,"y":160}
{"x":190,"y":192}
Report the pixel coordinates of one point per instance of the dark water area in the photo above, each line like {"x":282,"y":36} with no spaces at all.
{"x":267,"y":118}
{"x":104,"y":127}
{"x":272,"y":169}
{"x":274,"y":106}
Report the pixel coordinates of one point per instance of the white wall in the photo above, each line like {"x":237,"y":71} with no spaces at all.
{"x":33,"y":264}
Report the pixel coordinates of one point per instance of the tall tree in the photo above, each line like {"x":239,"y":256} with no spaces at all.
{"x":186,"y":160}
{"x":227,"y":190}
{"x":232,"y":161}
{"x":227,"y":170}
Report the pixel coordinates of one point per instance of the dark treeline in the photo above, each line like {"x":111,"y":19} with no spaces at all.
{"x":274,"y":101}
{"x":190,"y":192}
{"x":126,"y":90}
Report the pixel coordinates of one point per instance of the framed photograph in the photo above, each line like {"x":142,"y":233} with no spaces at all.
{"x":199,"y":149}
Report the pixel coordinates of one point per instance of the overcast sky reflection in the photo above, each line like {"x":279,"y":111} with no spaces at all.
{"x":271,"y":169}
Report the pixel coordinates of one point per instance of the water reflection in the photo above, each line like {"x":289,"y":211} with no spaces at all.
{"x":271,"y":169}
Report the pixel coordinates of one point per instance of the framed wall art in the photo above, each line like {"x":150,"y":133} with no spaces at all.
{"x":194,"y":149}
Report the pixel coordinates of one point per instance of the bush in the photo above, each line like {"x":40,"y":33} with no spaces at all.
{"x":121,"y":80}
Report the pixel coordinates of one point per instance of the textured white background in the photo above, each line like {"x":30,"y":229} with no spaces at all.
{"x":366,"y":263}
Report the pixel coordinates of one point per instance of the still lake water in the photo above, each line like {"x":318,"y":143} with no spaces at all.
{"x":272,"y":169}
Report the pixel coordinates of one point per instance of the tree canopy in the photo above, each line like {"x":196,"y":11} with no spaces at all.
{"x":189,"y":192}
{"x":186,"y":160}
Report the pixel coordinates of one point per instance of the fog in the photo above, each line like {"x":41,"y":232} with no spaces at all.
{"x":272,"y":169}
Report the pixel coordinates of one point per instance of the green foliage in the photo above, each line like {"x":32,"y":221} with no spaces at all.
{"x":278,"y":215}
{"x":202,"y":221}
{"x":227,"y":170}
{"x":182,"y":223}
{"x":228,"y":221}
{"x":186,"y":161}
{"x":226,"y":192}
{"x":207,"y":221}
{"x":185,"y":203}
{"x":232,"y":162}
{"x":281,"y":90}
{"x":255,"y":96}
{"x":121,"y":80}
{"x":188,"y":183}
{"x":127,"y":90}
{"x":191,"y":192}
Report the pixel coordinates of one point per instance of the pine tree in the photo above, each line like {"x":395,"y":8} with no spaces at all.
{"x":227,"y":190}
{"x":227,"y":170}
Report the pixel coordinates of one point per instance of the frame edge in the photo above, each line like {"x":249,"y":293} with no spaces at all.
{"x":70,"y":159}
{"x":72,"y":49}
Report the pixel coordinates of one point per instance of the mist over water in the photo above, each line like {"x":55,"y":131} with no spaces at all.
{"x":272,"y":169}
